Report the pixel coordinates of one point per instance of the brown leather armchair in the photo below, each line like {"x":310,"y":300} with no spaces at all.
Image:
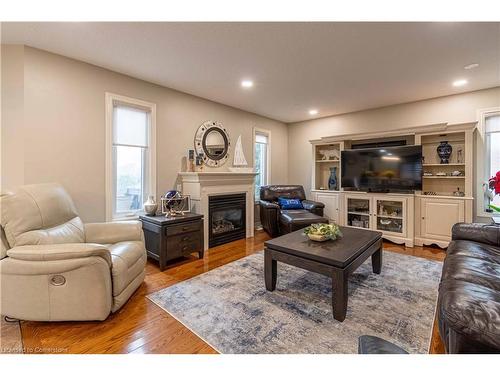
{"x":277,"y":221}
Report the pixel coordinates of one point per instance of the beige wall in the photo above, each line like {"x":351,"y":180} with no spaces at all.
{"x":454,"y":109}
{"x":64,"y":127}
{"x":12,"y":104}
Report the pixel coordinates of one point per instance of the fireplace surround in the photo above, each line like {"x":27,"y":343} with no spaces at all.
{"x":201,"y":186}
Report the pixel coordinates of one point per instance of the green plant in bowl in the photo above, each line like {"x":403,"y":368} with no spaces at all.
{"x":323,"y":232}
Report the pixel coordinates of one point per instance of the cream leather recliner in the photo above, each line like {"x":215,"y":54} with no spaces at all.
{"x":55,"y":268}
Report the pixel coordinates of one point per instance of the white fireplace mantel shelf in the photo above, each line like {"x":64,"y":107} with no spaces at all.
{"x":200,"y":185}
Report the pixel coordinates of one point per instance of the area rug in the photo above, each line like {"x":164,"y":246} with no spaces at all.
{"x":230,"y":309}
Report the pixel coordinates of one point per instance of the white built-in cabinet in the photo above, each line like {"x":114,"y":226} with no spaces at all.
{"x":435,"y":217}
{"x":391,"y":214}
{"x":331,"y":200}
{"x":423,"y":218}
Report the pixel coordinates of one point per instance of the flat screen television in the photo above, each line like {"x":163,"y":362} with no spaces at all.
{"x":389,"y":169}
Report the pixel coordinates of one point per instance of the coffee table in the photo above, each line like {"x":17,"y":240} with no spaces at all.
{"x":336,"y":259}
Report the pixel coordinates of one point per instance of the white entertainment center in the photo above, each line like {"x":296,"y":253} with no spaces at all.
{"x":420,"y":218}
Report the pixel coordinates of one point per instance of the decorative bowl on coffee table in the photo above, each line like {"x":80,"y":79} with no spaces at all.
{"x":323,"y":232}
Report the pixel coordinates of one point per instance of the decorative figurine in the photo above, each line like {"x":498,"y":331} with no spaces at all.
{"x":444,"y":152}
{"x":458,"y":193}
{"x":199,"y":163}
{"x":239,"y":161}
{"x":332,"y":154}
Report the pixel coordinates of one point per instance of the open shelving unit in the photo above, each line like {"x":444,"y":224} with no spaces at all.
{"x":326,"y":156}
{"x":459,"y":161}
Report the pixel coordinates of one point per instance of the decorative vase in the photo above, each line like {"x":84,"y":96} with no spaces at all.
{"x":332,"y":181}
{"x":444,"y":152}
{"x":150,"y":206}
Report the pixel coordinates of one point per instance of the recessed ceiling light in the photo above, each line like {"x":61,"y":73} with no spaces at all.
{"x":247,"y":83}
{"x":459,"y":82}
{"x":471,"y":66}
{"x":313,"y":112}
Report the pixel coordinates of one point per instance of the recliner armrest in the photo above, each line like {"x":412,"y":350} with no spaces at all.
{"x":269,"y":205}
{"x":59,"y":252}
{"x":113,"y":232}
{"x":478,"y":232}
{"x":311,"y":205}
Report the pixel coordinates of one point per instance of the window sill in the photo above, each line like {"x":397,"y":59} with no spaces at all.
{"x":126,"y":218}
{"x":488,"y":214}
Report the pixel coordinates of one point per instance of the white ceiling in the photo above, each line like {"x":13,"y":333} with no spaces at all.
{"x":334,"y":67}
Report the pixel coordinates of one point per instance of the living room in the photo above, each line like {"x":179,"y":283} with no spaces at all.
{"x":250,"y":187}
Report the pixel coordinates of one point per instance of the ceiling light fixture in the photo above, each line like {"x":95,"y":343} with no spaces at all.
{"x":459,"y":82}
{"x":471,"y":66}
{"x":313,"y":112}
{"x":247,"y":83}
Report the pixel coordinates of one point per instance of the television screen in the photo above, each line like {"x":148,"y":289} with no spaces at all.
{"x":382,"y":169}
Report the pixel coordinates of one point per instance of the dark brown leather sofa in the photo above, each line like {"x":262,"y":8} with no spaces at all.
{"x":277,"y":221}
{"x":469,"y":293}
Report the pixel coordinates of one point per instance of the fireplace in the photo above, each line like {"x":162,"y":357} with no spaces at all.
{"x":227,"y":218}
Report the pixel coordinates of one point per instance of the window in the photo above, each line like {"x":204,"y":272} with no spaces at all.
{"x":261,"y":159}
{"x":130,"y":169}
{"x":492,"y":146}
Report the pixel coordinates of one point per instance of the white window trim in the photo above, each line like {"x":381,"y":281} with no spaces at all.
{"x":481,"y":165}
{"x":267,"y":133}
{"x":111,"y":100}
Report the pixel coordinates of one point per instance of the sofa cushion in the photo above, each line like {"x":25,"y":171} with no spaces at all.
{"x":473,"y":249}
{"x":290,"y":204}
{"x":469,"y":297}
{"x":69,"y":232}
{"x":40,"y":214}
{"x":129,"y":260}
{"x":292,"y":220}
{"x":471,"y":310}
{"x":472,"y":270}
{"x":272,"y":192}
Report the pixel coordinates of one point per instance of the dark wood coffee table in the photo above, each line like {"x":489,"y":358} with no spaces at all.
{"x":336,"y":259}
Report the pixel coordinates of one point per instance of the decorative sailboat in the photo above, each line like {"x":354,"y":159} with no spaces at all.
{"x":239,"y":162}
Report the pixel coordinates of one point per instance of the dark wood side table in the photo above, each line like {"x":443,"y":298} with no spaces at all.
{"x":168,"y":238}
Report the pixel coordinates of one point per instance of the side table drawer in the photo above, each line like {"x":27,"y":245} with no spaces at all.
{"x":173,"y":230}
{"x":184,"y":244}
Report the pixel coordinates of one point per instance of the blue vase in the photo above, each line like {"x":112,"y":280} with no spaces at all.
{"x":332,"y":181}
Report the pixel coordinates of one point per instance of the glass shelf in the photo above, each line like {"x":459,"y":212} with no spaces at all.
{"x":358,"y":213}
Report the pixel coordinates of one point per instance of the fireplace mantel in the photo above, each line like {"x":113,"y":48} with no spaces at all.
{"x":200,"y":185}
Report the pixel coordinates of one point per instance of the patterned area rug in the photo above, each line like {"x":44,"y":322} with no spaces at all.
{"x":231,"y":310}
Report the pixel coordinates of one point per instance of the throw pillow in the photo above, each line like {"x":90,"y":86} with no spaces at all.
{"x":290,"y":204}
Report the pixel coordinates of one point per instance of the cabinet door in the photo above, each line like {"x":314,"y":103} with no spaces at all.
{"x":389,"y":216}
{"x":438,"y":216}
{"x":331,"y":202}
{"x":357,"y":211}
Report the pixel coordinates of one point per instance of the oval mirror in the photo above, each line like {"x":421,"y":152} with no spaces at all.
{"x":212,"y":143}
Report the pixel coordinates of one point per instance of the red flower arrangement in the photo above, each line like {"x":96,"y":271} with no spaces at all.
{"x":494,"y":183}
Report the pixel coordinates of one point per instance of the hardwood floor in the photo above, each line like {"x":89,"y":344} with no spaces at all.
{"x":142,"y":327}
